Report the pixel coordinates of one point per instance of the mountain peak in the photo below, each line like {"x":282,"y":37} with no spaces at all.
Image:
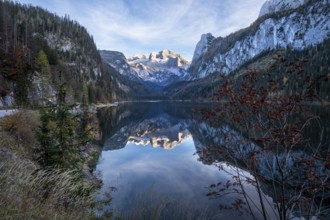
{"x":202,"y":45}
{"x":306,"y":24}
{"x":163,"y":55}
{"x":136,"y":57}
{"x":169,"y":57}
{"x":271,"y":6}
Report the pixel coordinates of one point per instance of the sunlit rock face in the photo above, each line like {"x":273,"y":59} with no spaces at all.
{"x":298,"y":29}
{"x":165,"y":55}
{"x":162,"y":68}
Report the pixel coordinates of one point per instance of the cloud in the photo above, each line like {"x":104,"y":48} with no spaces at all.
{"x":142,"y":26}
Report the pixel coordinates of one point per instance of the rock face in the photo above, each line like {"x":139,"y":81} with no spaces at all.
{"x":271,"y":6}
{"x":305,"y":26}
{"x":161,"y":68}
{"x":118,"y":61}
{"x":202,"y":46}
{"x":166,"y":55}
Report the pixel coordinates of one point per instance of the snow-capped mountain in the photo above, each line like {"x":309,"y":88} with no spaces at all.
{"x":271,"y":6}
{"x":160,"y":68}
{"x":304,"y":26}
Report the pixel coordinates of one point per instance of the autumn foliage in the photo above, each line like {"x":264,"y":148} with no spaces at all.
{"x":263,"y":108}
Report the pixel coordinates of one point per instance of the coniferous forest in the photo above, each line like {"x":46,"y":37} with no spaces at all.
{"x":38,"y":49}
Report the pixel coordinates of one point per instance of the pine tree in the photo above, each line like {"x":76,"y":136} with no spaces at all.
{"x":60,"y":137}
{"x":43,"y":69}
{"x":84,"y":95}
{"x":42,"y":64}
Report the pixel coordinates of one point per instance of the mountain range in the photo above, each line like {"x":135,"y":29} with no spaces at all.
{"x":282,"y":25}
{"x":161,"y":68}
{"x":291,"y":28}
{"x":167,"y":128}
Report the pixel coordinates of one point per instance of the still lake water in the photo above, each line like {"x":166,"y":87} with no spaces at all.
{"x":157,"y":158}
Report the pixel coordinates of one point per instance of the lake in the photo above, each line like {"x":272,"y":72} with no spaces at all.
{"x":161,"y":161}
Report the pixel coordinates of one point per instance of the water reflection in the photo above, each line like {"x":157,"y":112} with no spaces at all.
{"x":164,"y":162}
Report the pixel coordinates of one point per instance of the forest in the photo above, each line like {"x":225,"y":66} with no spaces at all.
{"x":71,"y":54}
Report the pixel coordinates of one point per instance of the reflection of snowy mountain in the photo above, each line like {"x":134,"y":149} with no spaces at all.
{"x":221,"y":147}
{"x":165,"y":128}
{"x":157,"y":131}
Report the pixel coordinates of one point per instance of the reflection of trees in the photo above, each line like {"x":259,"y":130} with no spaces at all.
{"x":270,"y":141}
{"x":294,"y":176}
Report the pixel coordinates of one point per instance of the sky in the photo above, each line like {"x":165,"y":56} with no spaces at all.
{"x":143,"y":26}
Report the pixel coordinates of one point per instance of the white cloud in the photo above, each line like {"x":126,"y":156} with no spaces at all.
{"x":142,"y":26}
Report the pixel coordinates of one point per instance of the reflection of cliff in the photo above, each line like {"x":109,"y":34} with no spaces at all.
{"x":301,"y":170}
{"x":224,"y":144}
{"x":167,"y":125}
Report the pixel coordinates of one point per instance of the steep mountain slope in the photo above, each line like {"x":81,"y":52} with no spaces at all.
{"x":119,"y":62}
{"x":159,"y":69}
{"x":204,"y":89}
{"x":39,"y":51}
{"x":316,"y":64}
{"x":124,"y":88}
{"x":297,"y":28}
{"x":271,"y":6}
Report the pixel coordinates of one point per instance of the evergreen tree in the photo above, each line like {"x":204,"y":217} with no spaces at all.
{"x":43,"y":69}
{"x":85,"y":95}
{"x":42,"y":64}
{"x":60,"y":137}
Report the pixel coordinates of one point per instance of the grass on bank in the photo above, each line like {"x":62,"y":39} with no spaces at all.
{"x":27,"y":190}
{"x":28,"y":193}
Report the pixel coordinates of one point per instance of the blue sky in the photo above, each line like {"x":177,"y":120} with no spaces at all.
{"x":142,"y":26}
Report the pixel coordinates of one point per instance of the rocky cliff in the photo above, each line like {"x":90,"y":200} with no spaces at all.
{"x":295,"y":25}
